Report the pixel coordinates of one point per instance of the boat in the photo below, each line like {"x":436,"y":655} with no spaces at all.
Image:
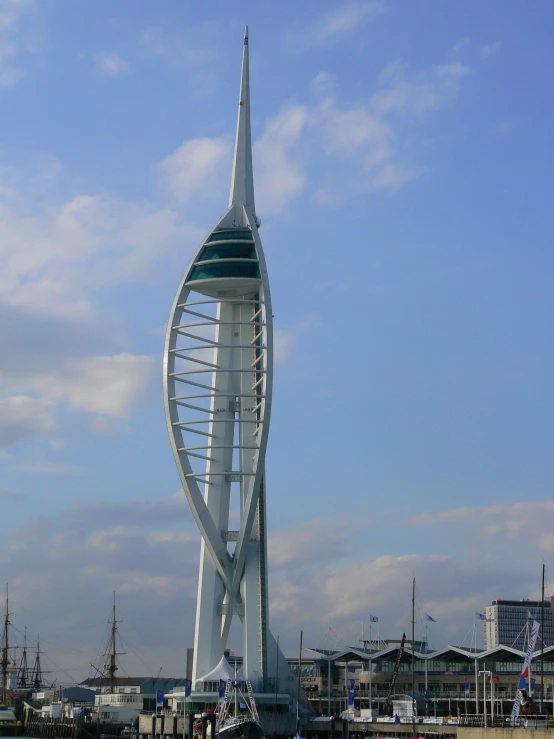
{"x":239,"y":725}
{"x":9,"y":725}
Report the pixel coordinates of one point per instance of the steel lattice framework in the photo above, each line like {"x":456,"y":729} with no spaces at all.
{"x":217,"y":379}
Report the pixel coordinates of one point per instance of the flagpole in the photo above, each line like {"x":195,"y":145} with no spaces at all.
{"x":185,"y":713}
{"x":542,"y":642}
{"x":276,"y":687}
{"x":413,"y":660}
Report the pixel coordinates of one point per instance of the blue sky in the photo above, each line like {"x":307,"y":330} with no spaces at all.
{"x":403,"y":174}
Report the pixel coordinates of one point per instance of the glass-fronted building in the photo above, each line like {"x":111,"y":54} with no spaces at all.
{"x":508,"y":623}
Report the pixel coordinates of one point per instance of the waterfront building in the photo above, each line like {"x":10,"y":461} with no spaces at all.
{"x":217,"y":377}
{"x":131,"y":695}
{"x":508,"y":622}
{"x":446,"y":681}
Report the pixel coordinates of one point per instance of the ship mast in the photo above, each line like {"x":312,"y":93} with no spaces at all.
{"x":5,"y":647}
{"x":413,"y":660}
{"x":542,"y":642}
{"x":23,"y":675}
{"x":111,"y":668}
{"x":36,"y":677}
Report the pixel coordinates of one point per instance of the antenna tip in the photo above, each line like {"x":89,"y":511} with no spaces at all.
{"x":245,"y":34}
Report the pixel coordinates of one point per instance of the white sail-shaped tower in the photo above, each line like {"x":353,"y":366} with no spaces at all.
{"x":217,"y":378}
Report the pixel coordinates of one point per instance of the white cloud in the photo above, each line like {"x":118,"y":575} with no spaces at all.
{"x":108,"y":385}
{"x":282,"y":344}
{"x":180,"y":49}
{"x":347,"y":18}
{"x":111,"y":64}
{"x":284,"y":339}
{"x":13,"y":14}
{"x":127,"y":555}
{"x":367,"y":135}
{"x":417,"y":94}
{"x":49,"y":467}
{"x":196,"y":167}
{"x":278,"y":161}
{"x":326,"y":195}
{"x":490,"y":49}
{"x":22,"y":417}
{"x":318,"y":538}
{"x":54,"y":258}
{"x":323,"y":83}
{"x":51,"y":260}
{"x":449,"y":588}
{"x":391,"y":177}
{"x":347,"y":131}
{"x":460,"y":44}
{"x":531,"y":518}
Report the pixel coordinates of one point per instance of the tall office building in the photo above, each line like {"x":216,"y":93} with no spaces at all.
{"x":218,"y":365}
{"x":508,"y":623}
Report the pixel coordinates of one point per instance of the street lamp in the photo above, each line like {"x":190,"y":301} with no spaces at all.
{"x":329,"y":685}
{"x":485,"y":673}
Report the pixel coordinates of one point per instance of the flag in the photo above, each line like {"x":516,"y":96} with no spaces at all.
{"x":430,"y":618}
{"x":351,"y":695}
{"x":525,"y":671}
{"x":159,"y":699}
{"x":480,"y":616}
{"x":221,"y":691}
{"x":373,"y":619}
{"x":426,"y":695}
{"x":188,"y":687}
{"x":529,"y":614}
{"x":396,"y":719}
{"x":466,"y":686}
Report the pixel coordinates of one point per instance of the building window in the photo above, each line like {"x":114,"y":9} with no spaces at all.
{"x":228,"y":235}
{"x":228,"y":251}
{"x":222,"y":269}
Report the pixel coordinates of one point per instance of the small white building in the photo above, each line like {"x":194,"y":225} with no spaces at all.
{"x":117,"y":708}
{"x":130,"y":696}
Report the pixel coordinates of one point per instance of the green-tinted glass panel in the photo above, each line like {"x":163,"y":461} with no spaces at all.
{"x":225,"y":269}
{"x":228,"y":251}
{"x":228,"y":235}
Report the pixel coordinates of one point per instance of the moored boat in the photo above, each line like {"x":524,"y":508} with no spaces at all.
{"x":9,"y":725}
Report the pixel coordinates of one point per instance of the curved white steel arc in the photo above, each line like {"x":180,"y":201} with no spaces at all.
{"x":226,"y":376}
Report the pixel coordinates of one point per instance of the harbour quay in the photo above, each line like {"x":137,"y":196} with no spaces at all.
{"x":323,"y":728}
{"x":170,"y":724}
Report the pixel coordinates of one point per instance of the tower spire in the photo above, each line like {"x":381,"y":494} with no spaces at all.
{"x":242,"y":179}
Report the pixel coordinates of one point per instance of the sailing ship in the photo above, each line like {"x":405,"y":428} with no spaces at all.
{"x":234,"y":725}
{"x":18,"y":678}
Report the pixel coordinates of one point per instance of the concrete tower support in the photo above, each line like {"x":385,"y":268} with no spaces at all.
{"x":218,"y":364}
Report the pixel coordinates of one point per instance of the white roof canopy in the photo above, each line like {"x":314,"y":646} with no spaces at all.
{"x":222,"y":671}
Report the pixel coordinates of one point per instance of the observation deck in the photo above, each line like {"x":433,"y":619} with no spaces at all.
{"x":227,"y":265}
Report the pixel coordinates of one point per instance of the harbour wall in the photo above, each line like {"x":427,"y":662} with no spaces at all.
{"x":345,"y":729}
{"x":47,"y":728}
{"x":175,"y":726}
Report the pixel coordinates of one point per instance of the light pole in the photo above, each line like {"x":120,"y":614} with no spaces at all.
{"x":485,"y":673}
{"x":329,"y":686}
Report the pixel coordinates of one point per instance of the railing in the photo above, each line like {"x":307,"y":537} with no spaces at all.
{"x":377,"y":694}
{"x":505,"y":722}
